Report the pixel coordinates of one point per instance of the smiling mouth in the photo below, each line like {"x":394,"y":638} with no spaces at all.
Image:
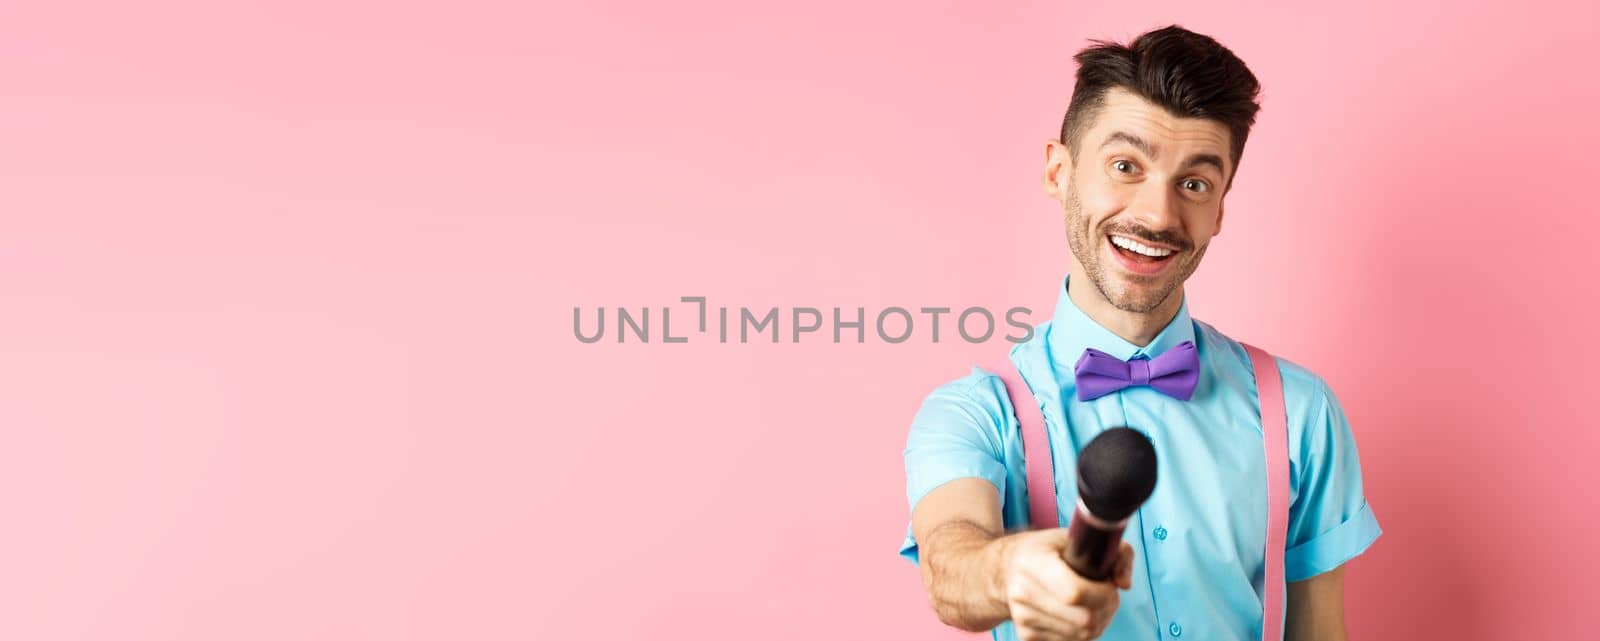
{"x":1138,"y":256}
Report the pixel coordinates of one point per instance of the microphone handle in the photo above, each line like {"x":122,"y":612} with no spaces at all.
{"x":1092,"y":550}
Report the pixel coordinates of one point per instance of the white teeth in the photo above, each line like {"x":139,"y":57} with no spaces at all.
{"x":1140,"y":248}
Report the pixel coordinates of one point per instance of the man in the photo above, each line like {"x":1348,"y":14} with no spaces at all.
{"x":1149,"y":147}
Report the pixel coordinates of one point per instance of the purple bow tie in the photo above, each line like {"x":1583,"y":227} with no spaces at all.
{"x":1174,"y":373}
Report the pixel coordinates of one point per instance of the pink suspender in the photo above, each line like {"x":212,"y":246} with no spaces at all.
{"x":1275,"y":435}
{"x":1035,"y":444}
{"x":1042,"y":509}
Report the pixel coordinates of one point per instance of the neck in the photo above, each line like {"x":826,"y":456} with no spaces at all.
{"x":1134,"y":327}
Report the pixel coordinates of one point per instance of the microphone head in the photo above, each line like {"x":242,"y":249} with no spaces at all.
{"x":1116,"y":473}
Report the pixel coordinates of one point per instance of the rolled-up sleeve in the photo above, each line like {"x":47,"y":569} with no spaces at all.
{"x":1329,"y":521}
{"x":955,"y":434}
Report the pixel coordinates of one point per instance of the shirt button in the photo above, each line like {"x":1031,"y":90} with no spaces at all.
{"x":1161,"y":535}
{"x":1175,"y":630}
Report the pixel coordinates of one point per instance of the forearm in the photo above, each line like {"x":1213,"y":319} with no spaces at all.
{"x":1316,"y":608}
{"x":963,"y":570}
{"x":1311,"y":629}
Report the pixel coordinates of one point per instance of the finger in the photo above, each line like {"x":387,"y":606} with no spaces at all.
{"x":1026,"y":634}
{"x":1094,"y":594}
{"x":1052,"y":621}
{"x":1056,"y":578}
{"x":1038,"y":624}
{"x":1053,"y":602}
{"x":1053,"y":577}
{"x":1049,"y":568}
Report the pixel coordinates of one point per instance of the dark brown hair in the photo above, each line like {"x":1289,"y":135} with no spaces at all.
{"x":1186,"y":73}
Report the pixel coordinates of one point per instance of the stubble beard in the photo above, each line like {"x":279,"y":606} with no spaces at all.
{"x":1136,"y":300}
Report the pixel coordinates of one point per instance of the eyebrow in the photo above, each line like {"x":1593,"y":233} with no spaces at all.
{"x":1144,"y":147}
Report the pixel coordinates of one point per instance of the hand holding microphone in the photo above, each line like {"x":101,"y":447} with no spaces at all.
{"x":1050,"y":600}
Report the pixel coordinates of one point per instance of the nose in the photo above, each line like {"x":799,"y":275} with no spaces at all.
{"x":1156,"y":207}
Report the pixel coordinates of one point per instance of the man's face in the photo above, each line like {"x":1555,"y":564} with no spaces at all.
{"x":1142,"y":200}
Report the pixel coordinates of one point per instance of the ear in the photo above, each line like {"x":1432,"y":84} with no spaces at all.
{"x":1057,"y":168}
{"x":1220,"y":208}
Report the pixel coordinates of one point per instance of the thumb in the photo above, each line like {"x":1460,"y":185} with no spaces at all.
{"x":1055,"y":537}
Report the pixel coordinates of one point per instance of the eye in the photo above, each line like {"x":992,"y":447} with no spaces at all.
{"x":1124,"y":167}
{"x":1196,"y":186}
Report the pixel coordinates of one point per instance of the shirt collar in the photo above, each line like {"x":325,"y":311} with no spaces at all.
{"x":1072,"y":331}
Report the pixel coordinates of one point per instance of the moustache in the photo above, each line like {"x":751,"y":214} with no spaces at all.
{"x":1168,"y":237}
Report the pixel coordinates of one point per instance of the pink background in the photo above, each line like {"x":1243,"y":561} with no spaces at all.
{"x":288,"y":290}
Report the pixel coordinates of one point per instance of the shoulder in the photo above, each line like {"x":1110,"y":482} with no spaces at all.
{"x":979,"y":390}
{"x":974,"y":406}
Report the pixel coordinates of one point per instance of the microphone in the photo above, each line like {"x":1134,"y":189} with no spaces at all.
{"x":1116,"y":474}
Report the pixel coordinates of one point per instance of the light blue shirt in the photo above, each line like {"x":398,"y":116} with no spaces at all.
{"x":1200,"y":540}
